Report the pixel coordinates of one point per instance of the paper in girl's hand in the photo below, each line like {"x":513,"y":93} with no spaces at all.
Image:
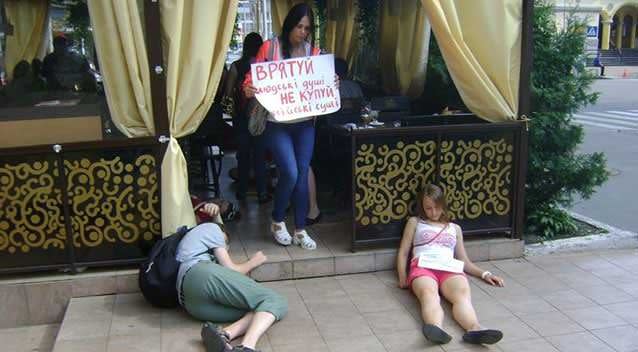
{"x":440,"y":258}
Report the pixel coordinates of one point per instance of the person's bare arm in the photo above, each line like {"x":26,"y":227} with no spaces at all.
{"x":404,"y":251}
{"x":470,"y":267}
{"x":224,"y":259}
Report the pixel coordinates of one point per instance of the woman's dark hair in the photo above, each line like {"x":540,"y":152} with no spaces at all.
{"x":293,"y":18}
{"x":435,"y":193}
{"x":251,"y":46}
{"x":36,"y":67}
{"x":21,"y":69}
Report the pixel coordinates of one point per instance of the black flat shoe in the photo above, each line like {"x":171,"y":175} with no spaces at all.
{"x":214,"y":338}
{"x":435,"y":334}
{"x":311,"y":221}
{"x":483,"y":337}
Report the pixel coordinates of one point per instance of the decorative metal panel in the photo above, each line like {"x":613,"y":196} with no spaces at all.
{"x":114,"y":203}
{"x":32,"y":230}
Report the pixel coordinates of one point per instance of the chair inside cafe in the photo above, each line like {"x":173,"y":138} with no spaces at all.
{"x":391,"y":108}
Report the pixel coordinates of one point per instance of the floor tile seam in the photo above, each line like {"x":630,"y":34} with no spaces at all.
{"x":108,"y":333}
{"x":362,"y":315}
{"x":110,"y":322}
{"x":591,"y":332}
{"x":520,"y":316}
{"x":602,"y":307}
{"x":314,"y":321}
{"x":517,"y":316}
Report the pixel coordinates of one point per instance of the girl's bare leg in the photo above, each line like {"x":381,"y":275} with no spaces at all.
{"x":456,"y":290}
{"x":427,"y":291}
{"x":261,"y":321}
{"x":239,"y":327}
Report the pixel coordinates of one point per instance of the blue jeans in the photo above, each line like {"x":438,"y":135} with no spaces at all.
{"x":247,"y":145}
{"x":292,"y":145}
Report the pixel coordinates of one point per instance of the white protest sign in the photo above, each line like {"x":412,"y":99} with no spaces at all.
{"x":295,"y":88}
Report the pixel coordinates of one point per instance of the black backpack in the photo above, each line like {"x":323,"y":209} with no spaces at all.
{"x":158,"y":274}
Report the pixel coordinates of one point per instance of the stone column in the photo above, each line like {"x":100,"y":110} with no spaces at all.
{"x":619,"y":29}
{"x":604,"y":39}
{"x":632,"y":35}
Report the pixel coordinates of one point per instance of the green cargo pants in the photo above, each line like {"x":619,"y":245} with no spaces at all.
{"x":215,"y":293}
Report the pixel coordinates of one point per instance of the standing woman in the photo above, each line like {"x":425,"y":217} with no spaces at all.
{"x":291,"y":142}
{"x":235,"y":105}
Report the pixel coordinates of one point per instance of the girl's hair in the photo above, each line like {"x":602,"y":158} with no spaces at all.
{"x":223,"y":228}
{"x":251,"y":46}
{"x":293,"y":18}
{"x":435,"y":193}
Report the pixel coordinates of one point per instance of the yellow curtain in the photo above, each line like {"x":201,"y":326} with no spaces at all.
{"x":341,"y":29}
{"x":481,"y":44}
{"x":121,"y":51}
{"x":29,"y":19}
{"x":196,"y":35}
{"x":404,"y":37}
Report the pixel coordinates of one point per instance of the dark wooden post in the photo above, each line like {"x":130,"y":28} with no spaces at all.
{"x":158,"y":82}
{"x":524,"y":109}
{"x":156,"y":66}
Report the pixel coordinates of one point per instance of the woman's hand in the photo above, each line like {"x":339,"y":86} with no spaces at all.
{"x":250,"y":90}
{"x":403,"y":282}
{"x":494,"y":280}
{"x":211,"y":209}
{"x":336,"y":81}
{"x":259,"y":258}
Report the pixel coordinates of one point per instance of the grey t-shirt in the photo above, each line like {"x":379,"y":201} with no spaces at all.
{"x":197,"y":246}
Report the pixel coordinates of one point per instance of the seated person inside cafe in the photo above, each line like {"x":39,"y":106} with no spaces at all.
{"x":65,"y":70}
{"x":348,"y":89}
{"x":214,"y":288}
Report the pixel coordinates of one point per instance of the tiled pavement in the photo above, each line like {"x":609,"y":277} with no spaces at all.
{"x":575,"y":302}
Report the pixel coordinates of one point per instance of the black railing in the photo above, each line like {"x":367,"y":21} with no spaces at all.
{"x":614,"y":57}
{"x":78,"y":204}
{"x":480,"y":165}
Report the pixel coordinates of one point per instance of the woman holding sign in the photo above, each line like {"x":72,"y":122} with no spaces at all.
{"x":439,"y":264}
{"x":291,"y":142}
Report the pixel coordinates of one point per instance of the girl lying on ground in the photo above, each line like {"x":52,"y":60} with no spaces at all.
{"x":439,"y":264}
{"x":213,"y":288}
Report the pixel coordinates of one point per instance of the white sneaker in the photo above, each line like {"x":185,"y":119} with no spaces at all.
{"x":280,"y":233}
{"x":303,"y":240}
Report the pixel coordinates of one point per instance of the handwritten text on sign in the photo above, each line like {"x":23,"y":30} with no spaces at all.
{"x":296,"y":88}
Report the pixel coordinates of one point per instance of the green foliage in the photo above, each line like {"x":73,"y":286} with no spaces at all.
{"x":560,"y":87}
{"x":78,"y":19}
{"x":320,"y":20}
{"x":439,"y":91}
{"x":551,"y":221}
{"x":235,"y":38}
{"x":366,"y":65}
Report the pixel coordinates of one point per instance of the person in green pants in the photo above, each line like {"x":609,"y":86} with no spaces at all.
{"x":213,"y":288}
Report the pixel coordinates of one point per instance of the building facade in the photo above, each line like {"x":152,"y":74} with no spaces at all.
{"x":611,"y":24}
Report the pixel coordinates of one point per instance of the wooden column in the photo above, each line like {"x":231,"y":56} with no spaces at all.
{"x":156,"y":66}
{"x":158,"y":83}
{"x":524,"y":109}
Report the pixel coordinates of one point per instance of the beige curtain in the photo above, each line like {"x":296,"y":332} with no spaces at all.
{"x":404,"y":37}
{"x":30,"y":21}
{"x":196,"y":35}
{"x":121,"y":51}
{"x":481,"y":44}
{"x":342,"y":38}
